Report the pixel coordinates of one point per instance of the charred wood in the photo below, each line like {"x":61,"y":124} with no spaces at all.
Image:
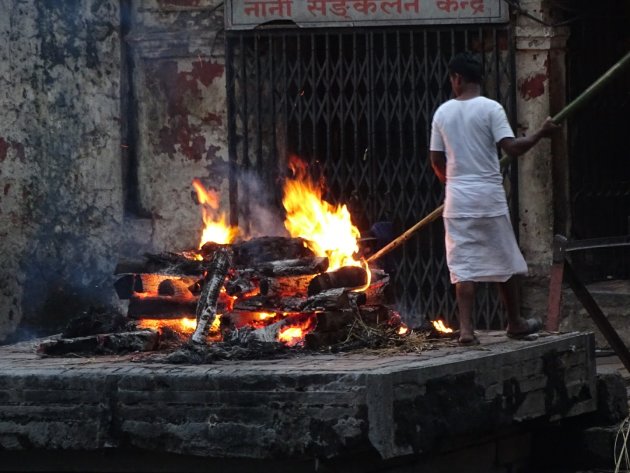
{"x":269,"y":333}
{"x":374,"y":315}
{"x":249,"y":334}
{"x":239,"y":319}
{"x":162,"y":307}
{"x":261,"y":250}
{"x":294,"y":267}
{"x":269,"y":304}
{"x":126,"y":285}
{"x":156,"y":284}
{"x":379,"y":292}
{"x":285,"y":286}
{"x":255,"y":304}
{"x":356,"y":298}
{"x":331,"y":299}
{"x":348,"y":276}
{"x":243,"y":283}
{"x":95,"y":321}
{"x":207,"y":306}
{"x":162,"y":263}
{"x":108,"y":343}
{"x":334,"y":321}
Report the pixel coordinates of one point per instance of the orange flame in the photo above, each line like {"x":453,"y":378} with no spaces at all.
{"x":440,"y":327}
{"x":293,"y":334}
{"x":328,"y":229}
{"x":216,"y":229}
{"x":403,"y":330}
{"x":184,"y":325}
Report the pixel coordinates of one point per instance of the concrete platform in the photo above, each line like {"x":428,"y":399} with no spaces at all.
{"x":305,"y":408}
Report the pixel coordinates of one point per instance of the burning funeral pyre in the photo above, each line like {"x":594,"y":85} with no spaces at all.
{"x":309,"y":289}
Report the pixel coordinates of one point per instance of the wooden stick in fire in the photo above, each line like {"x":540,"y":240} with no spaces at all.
{"x":207,"y":306}
{"x":567,"y":111}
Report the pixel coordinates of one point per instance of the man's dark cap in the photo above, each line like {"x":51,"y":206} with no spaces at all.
{"x":467,"y":65}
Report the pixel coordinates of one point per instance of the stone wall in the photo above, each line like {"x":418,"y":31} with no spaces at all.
{"x":61,"y":182}
{"x":109,"y":110}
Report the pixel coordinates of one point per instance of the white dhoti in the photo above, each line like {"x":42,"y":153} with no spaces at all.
{"x":482,"y":249}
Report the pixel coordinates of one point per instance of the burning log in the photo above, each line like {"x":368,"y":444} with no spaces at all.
{"x":273,"y":332}
{"x":265,"y":249}
{"x":267,"y":334}
{"x":269,"y":304}
{"x":254,"y":304}
{"x":243,"y":283}
{"x":378,"y":292}
{"x":173,"y":288}
{"x":160,"y":284}
{"x":124,"y":342}
{"x":163,"y":307}
{"x":285,"y":286}
{"x":348,"y":276}
{"x":334,"y":321}
{"x":261,"y":250}
{"x":294,"y":267}
{"x":236,"y":320}
{"x":330,"y":299}
{"x":207,"y":307}
{"x":163,"y":263}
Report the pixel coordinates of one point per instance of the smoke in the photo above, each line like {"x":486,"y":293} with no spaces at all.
{"x":260,"y":206}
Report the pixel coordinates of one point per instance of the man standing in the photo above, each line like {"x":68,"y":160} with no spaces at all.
{"x":480,"y":241}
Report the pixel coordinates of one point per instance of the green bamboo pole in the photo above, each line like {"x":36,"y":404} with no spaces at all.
{"x":568,"y":110}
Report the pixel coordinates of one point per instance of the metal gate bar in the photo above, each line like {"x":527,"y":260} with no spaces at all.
{"x":562,"y":269}
{"x":357,"y":105}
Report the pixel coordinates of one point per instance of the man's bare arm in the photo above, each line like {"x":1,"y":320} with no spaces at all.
{"x":438,"y":163}
{"x":521,"y":145}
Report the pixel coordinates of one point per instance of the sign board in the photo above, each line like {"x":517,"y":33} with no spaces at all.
{"x":249,"y":14}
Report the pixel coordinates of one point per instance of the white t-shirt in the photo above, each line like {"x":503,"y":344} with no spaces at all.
{"x":468,"y":131}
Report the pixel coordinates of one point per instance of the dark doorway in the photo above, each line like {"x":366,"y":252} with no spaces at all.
{"x":598,"y":136}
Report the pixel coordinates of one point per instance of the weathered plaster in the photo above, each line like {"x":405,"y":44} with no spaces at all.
{"x":61,"y":206}
{"x":63,"y":145}
{"x":538,"y":48}
{"x":182,"y":114}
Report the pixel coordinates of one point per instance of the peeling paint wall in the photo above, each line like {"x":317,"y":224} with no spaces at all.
{"x":179,"y":76}
{"x":65,"y":177}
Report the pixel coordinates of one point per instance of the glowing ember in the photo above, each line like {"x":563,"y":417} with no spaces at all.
{"x":403,"y":330}
{"x":216,"y":230}
{"x":291,"y":335}
{"x":328,"y":229}
{"x":265,"y":315}
{"x":179,"y":325}
{"x":440,"y":327}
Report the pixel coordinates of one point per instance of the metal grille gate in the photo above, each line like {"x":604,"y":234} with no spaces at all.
{"x":357,"y":104}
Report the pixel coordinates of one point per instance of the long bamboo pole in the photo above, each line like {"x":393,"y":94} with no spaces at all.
{"x":568,"y":110}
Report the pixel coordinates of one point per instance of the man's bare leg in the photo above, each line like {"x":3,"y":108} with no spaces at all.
{"x":465,"y":294}
{"x":510,"y":294}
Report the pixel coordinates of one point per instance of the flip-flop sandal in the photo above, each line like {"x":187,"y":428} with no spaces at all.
{"x":531,"y":333}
